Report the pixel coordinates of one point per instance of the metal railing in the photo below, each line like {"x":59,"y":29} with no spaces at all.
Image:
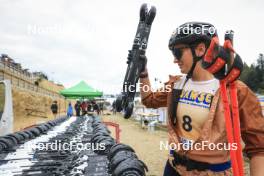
{"x":23,"y":80}
{"x":19,"y":72}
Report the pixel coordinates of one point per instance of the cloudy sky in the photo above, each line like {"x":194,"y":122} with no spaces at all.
{"x":88,"y":40}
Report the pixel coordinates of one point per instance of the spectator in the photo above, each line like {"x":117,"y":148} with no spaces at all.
{"x":96,"y":107}
{"x":84,"y":108}
{"x":101,"y":106}
{"x":89,"y":106}
{"x":54,"y":108}
{"x":69,"y":110}
{"x":77,"y":108}
{"x":114,"y":107}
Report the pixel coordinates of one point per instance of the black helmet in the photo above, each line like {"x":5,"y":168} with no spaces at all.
{"x":192,"y":32}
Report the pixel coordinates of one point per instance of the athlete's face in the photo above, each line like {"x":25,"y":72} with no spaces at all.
{"x":184,"y":58}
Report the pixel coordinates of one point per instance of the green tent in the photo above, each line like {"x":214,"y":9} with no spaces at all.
{"x":81,"y":90}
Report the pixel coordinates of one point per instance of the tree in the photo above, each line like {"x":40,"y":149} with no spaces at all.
{"x":245,"y":73}
{"x":253,"y":76}
{"x":41,"y":75}
{"x":260,"y":61}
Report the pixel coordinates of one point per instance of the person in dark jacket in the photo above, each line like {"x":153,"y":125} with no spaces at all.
{"x":89,"y":106}
{"x":96,"y":107}
{"x":54,"y":108}
{"x":114,"y":107}
{"x":77,"y":108}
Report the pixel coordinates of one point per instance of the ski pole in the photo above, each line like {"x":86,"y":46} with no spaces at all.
{"x":234,"y":105}
{"x":236,"y":123}
{"x":229,"y":129}
{"x":227,"y":69}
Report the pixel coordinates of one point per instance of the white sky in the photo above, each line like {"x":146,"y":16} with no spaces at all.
{"x":88,"y":39}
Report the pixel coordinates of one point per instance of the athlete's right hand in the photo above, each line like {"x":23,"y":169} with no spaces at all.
{"x":144,"y":71}
{"x":143,"y":60}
